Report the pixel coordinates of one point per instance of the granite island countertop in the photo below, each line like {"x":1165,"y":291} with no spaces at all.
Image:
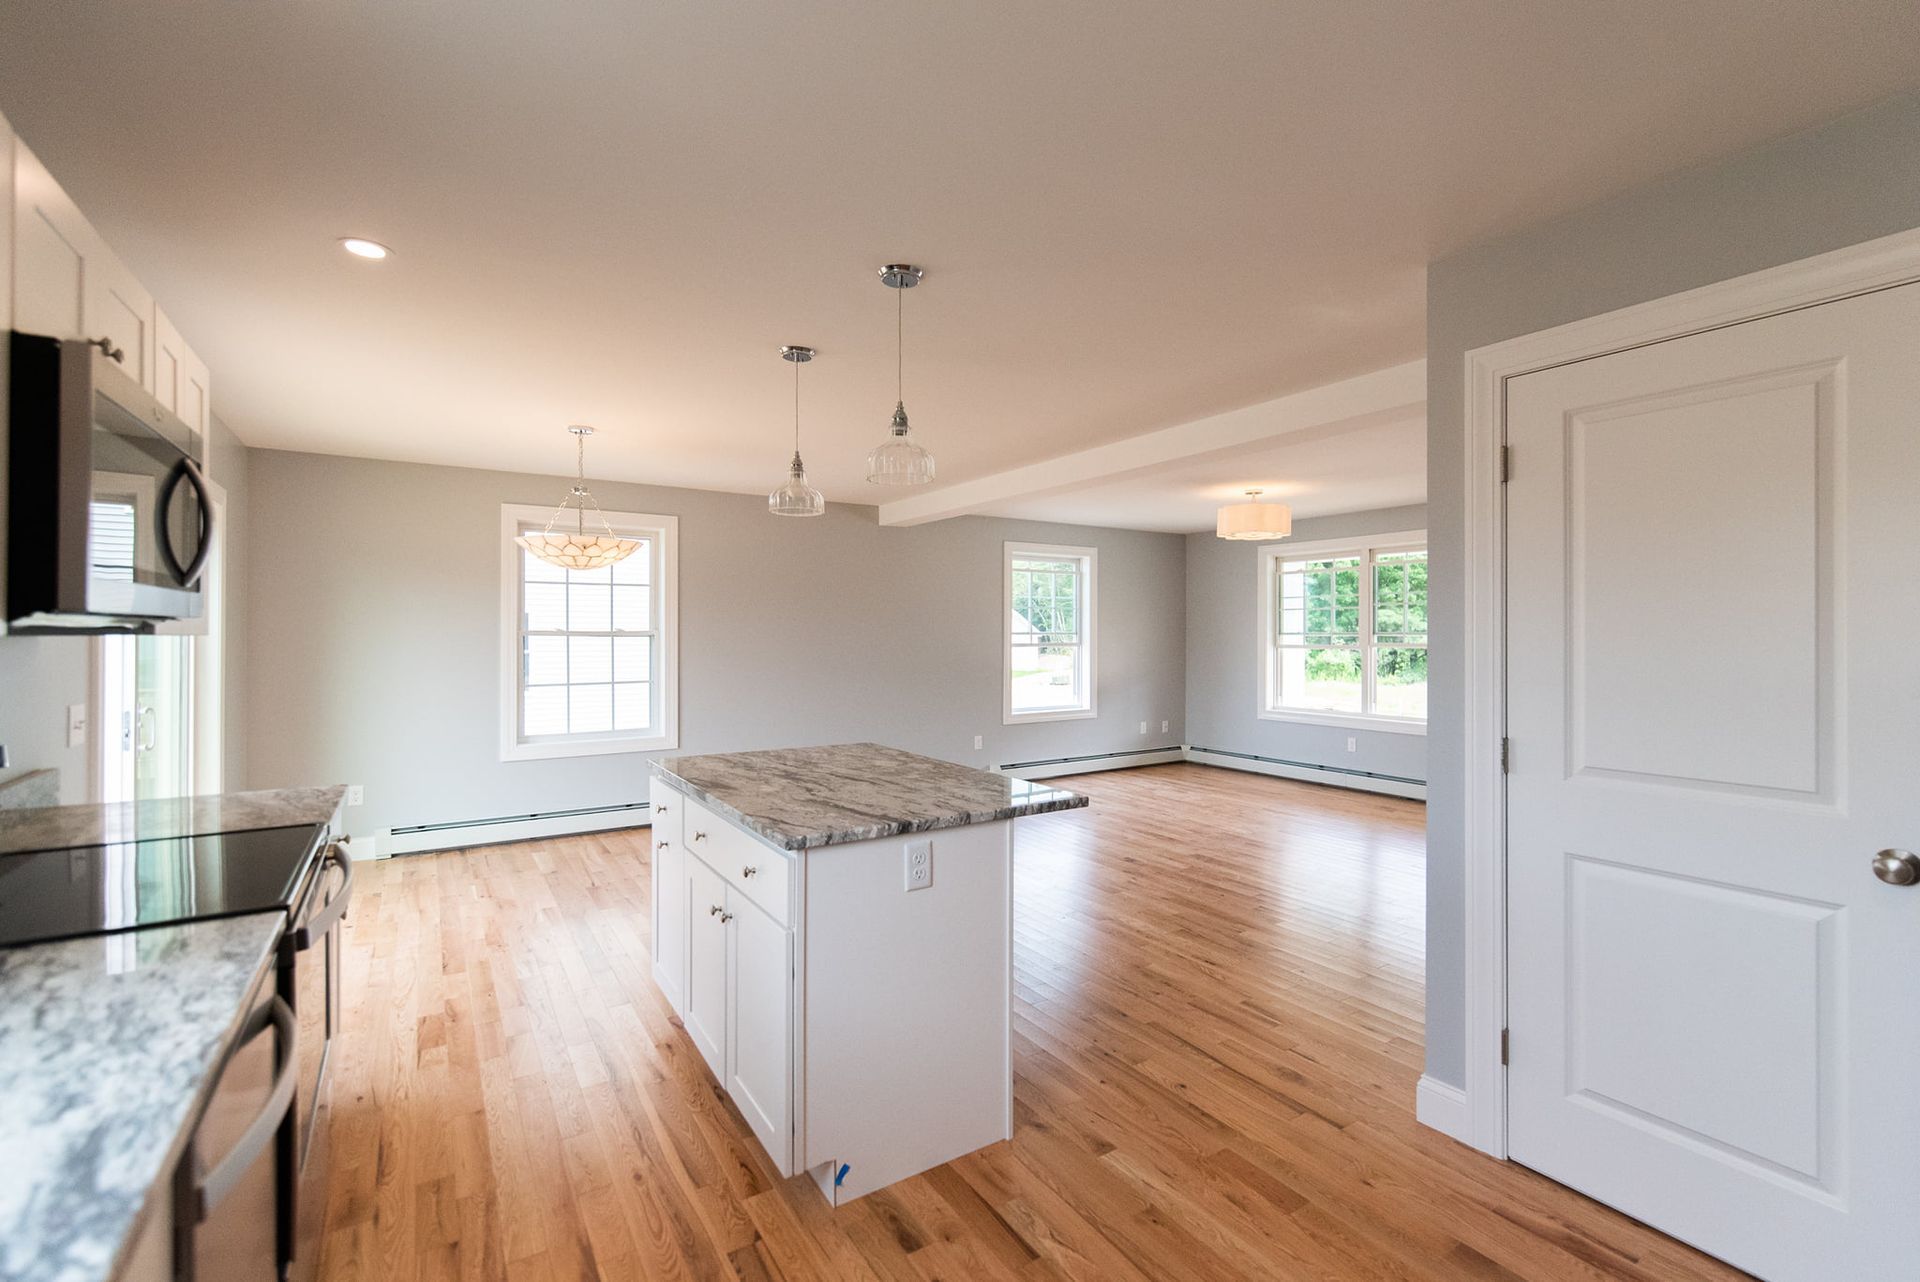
{"x":107,"y":1048}
{"x":799,"y":798}
{"x":62,"y":827}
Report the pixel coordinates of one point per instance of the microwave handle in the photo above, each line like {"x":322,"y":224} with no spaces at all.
{"x":187,"y":574}
{"x":211,"y":1187}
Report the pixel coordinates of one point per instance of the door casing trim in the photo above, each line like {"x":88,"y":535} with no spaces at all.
{"x":1842,"y":273}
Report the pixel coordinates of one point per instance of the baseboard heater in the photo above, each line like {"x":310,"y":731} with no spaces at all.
{"x":1045,"y":766}
{"x":412,"y":838}
{"x":1309,"y":765}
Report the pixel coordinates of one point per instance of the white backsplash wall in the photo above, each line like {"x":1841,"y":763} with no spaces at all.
{"x":374,"y":636}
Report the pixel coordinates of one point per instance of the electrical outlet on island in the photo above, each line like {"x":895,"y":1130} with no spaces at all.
{"x":919,"y":865}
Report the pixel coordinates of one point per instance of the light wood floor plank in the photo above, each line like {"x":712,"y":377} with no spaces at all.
{"x":1217,"y":1032}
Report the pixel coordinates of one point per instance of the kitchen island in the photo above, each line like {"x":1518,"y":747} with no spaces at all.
{"x":834,"y":926}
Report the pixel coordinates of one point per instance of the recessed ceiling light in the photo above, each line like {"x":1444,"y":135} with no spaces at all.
{"x":364,"y":248}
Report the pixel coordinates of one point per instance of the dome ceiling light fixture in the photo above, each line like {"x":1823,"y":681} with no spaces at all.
{"x":361,"y":247}
{"x":796,"y":497}
{"x":900,"y":460}
{"x":579,"y":550}
{"x":1254,"y":519}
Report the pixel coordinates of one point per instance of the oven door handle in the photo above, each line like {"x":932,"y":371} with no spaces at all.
{"x":321,"y":922}
{"x":210,"y":1187}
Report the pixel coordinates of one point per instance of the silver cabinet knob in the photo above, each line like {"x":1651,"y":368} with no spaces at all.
{"x":661,"y":845}
{"x":725,"y":918}
{"x":659,"y":810}
{"x":748,"y":872}
{"x":1897,"y":867}
{"x":699,"y":836}
{"x":715,"y":911}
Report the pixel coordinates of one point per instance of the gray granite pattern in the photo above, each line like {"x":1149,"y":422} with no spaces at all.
{"x":30,"y":788}
{"x":59,"y":827}
{"x":107,"y":1046}
{"x":798,"y":798}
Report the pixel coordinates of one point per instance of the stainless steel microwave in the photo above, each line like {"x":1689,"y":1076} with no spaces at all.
{"x":109,"y":523}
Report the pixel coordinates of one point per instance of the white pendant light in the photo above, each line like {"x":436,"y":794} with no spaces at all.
{"x":1254,"y":519}
{"x":900,"y":460}
{"x":576,"y":549}
{"x":796,"y":497}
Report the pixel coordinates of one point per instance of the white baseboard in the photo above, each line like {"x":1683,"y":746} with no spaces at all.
{"x":495,"y":832}
{"x":1087,"y":766}
{"x":1310,"y":774}
{"x":1442,"y":1107}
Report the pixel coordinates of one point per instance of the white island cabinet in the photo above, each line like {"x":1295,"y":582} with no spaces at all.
{"x":834,"y":926}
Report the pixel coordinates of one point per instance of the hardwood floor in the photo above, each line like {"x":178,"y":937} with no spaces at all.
{"x":1217,"y":1035}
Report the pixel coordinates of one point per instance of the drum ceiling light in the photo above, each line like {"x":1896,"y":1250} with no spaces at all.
{"x":1254,"y":519}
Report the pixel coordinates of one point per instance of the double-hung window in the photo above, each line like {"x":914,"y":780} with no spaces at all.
{"x":1343,"y":632}
{"x":587,"y":656}
{"x":1049,"y":632}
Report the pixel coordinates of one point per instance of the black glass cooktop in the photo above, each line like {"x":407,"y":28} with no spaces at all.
{"x":98,"y":890}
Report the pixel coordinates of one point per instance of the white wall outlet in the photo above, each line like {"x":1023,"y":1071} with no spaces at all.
{"x":76,"y":725}
{"x":1164,"y":725}
{"x":1353,"y":744}
{"x":356,"y":794}
{"x":979,"y":742}
{"x":919,"y":865}
{"x":1143,"y":727}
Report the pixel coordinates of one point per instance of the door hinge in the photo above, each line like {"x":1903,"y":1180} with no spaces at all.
{"x":1506,"y":463}
{"x":1504,"y":1039}
{"x":1506,"y":754}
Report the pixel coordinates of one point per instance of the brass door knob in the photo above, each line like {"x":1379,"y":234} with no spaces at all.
{"x":1897,"y":867}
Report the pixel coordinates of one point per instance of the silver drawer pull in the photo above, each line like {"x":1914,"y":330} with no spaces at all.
{"x":322,"y":921}
{"x":715,"y":911}
{"x":725,"y":918}
{"x":661,"y":845}
{"x":210,"y":1187}
{"x":748,"y":872}
{"x":659,"y":810}
{"x":699,"y":836}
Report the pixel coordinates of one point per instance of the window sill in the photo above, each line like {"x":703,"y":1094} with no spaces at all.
{"x":1065,"y":714}
{"x":1346,"y":720}
{"x":544,"y":750}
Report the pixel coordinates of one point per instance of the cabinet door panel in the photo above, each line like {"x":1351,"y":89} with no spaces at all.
{"x":705,"y":1012}
{"x":761,"y":1027}
{"x":669,"y":897}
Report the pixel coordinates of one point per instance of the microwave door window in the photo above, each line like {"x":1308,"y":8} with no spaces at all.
{"x":123,"y":530}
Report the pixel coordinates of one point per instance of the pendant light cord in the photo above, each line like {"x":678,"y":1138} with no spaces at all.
{"x":796,"y":409}
{"x":580,"y":467}
{"x":900,"y":344}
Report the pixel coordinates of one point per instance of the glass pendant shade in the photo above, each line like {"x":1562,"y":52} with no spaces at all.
{"x":1254,"y":520}
{"x":578,"y":550}
{"x":796,"y":497}
{"x":899,"y":460}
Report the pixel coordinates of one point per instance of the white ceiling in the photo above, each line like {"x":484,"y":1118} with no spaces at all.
{"x":1133,"y":213}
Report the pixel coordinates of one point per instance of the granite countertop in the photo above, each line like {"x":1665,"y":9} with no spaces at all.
{"x":797,"y":798}
{"x":107,"y":1047}
{"x":61,"y":827}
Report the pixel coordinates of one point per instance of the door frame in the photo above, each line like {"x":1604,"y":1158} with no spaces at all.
{"x":1477,"y":1115}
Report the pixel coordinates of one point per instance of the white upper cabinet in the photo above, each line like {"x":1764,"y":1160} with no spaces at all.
{"x":68,"y":284}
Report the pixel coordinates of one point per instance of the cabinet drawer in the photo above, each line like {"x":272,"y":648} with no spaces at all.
{"x":754,"y":868}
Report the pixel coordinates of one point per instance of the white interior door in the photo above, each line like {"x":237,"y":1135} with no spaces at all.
{"x":1714,"y":708}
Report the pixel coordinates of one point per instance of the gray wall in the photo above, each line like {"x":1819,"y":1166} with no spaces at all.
{"x":1223,"y":657}
{"x":375,"y":621}
{"x":1853,"y":180}
{"x":231,"y":470}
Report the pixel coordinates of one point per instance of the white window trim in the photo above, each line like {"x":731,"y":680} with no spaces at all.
{"x":1089,"y":617}
{"x":1267,"y":567}
{"x":664,"y":529}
